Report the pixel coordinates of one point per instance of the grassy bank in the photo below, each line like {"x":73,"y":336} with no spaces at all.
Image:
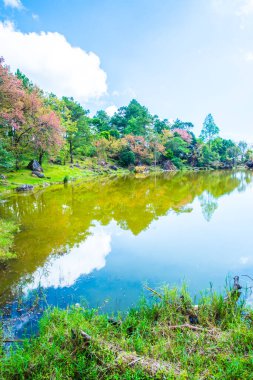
{"x":168,"y":339}
{"x":54,"y":174}
{"x":7,"y":232}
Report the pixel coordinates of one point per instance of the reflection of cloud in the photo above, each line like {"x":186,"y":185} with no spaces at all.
{"x":64,"y":270}
{"x":244,"y":260}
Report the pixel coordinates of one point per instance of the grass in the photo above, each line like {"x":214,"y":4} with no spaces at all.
{"x":152,"y":341}
{"x":54,"y":174}
{"x":7,"y":232}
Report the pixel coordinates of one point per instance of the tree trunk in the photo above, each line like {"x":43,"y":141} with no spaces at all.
{"x":17,"y":163}
{"x":71,"y":151}
{"x":40,"y":157}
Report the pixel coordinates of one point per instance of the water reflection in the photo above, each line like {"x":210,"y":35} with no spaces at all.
{"x":63,"y":270}
{"x":67,"y":233}
{"x":208,"y":204}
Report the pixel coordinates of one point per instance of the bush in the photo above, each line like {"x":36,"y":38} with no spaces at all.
{"x":126,"y":157}
{"x":177,"y":162}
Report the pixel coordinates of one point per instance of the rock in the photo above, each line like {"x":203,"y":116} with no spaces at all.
{"x":57,"y":161}
{"x":24,"y":188}
{"x":77,"y":165}
{"x":102,"y":163}
{"x":38,"y":174}
{"x":168,"y":165}
{"x":141,"y":169}
{"x":2,"y":176}
{"x":227,"y":166}
{"x":249,"y":164}
{"x":113,"y":167}
{"x":34,"y":166}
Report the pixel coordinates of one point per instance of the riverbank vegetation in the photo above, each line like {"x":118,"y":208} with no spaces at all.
{"x":166,"y":339}
{"x":7,"y":232}
{"x":36,"y":125}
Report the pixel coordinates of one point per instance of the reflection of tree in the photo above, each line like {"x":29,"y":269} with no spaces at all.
{"x":56,"y":219}
{"x":208,"y":204}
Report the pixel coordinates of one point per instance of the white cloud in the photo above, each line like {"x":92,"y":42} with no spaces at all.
{"x":35,"y":17}
{"x":13,"y":4}
{"x":52,"y":63}
{"x":111,"y":110}
{"x":244,"y":260}
{"x":246,"y":8}
{"x":234,"y":7}
{"x":64,"y":270}
{"x":249,"y":57}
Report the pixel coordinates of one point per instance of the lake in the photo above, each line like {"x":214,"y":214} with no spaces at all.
{"x":98,"y":242}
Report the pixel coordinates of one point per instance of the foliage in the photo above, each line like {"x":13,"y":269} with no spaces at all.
{"x":185,"y":125}
{"x":26,"y":124}
{"x":36,"y":125}
{"x":133,"y":119}
{"x":126,"y":157}
{"x":210,"y":130}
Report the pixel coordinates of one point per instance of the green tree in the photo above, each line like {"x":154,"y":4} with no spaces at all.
{"x":27,"y":84}
{"x":178,"y":124}
{"x":132,"y":119}
{"x":243,"y":146}
{"x":159,"y":125}
{"x":126,"y":157}
{"x":210,"y":130}
{"x":101,"y":121}
{"x":6,"y":158}
{"x":207,"y":156}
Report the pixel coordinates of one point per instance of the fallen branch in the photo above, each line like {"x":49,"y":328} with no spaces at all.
{"x":149,"y":365}
{"x":188,"y":326}
{"x":10,"y":340}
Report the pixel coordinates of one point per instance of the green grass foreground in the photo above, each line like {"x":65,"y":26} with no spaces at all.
{"x":153,"y":341}
{"x":7,"y":232}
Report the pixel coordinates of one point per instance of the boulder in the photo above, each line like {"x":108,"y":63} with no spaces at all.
{"x":249,"y":164}
{"x":24,"y":188}
{"x":168,"y":165}
{"x":141,"y":169}
{"x":38,"y":174}
{"x":77,"y":166}
{"x":227,"y":166}
{"x":113,"y":167}
{"x":34,"y":166}
{"x":56,"y":161}
{"x":2,"y":176}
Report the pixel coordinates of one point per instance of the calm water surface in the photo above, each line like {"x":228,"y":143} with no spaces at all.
{"x":99,"y":242}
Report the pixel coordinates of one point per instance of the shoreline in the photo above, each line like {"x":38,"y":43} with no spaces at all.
{"x":59,"y":174}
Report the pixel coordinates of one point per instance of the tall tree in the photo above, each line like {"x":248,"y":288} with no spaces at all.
{"x":133,"y":119}
{"x":77,"y":125}
{"x":178,"y":124}
{"x":210,"y":130}
{"x":243,"y":146}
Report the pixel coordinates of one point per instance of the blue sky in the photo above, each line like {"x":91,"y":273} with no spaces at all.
{"x":183,"y":58}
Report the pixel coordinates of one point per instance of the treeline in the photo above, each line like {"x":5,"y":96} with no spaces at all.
{"x":42,"y":126}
